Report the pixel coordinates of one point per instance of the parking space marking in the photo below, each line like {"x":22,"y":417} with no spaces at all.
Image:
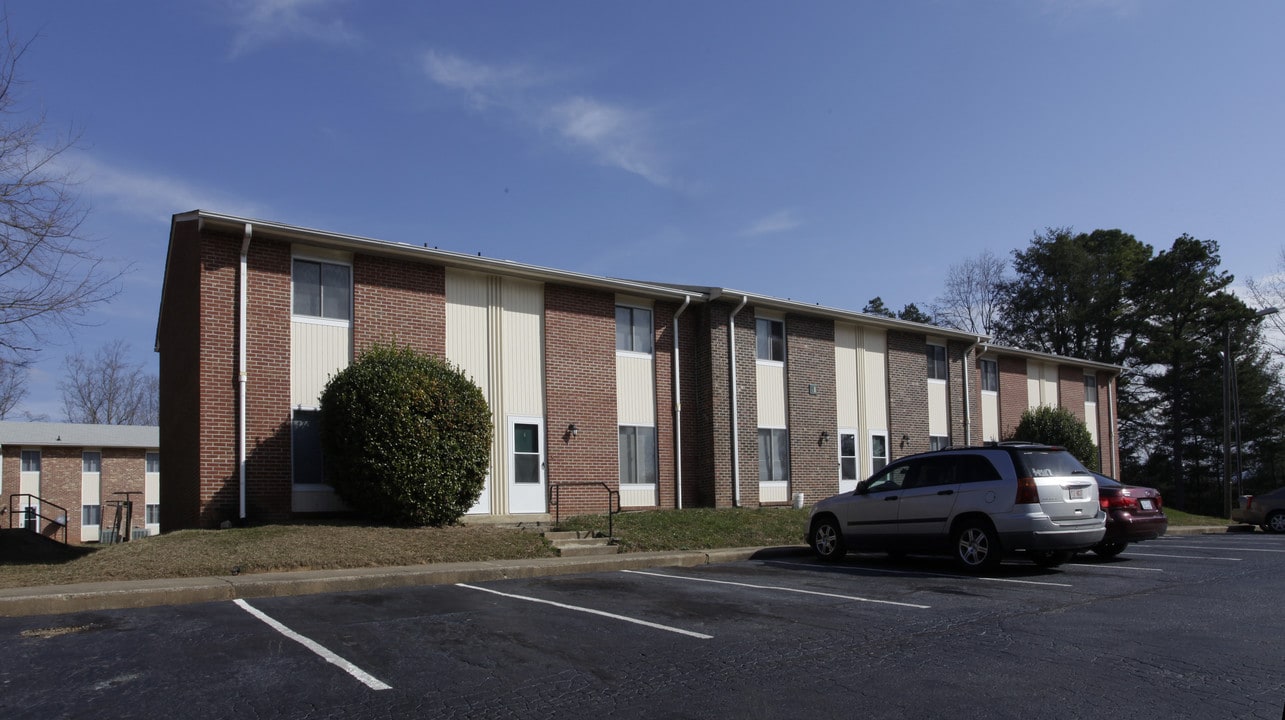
{"x":1102,"y":566}
{"x":591,"y":611}
{"x":366,"y":678}
{"x":778,"y":588}
{"x":1237,"y":548}
{"x":1186,"y":557}
{"x":945,"y":575}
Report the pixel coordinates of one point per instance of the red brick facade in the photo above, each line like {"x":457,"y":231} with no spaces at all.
{"x":812,"y":405}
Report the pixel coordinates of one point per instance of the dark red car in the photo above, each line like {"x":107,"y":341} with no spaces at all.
{"x":1134,"y":513}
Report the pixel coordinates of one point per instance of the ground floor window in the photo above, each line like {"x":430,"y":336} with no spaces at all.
{"x":637,"y":455}
{"x":878,"y":451}
{"x":305,"y":448}
{"x":91,"y":514}
{"x":153,"y":514}
{"x":938,"y":442}
{"x":847,"y":455}
{"x":774,"y":455}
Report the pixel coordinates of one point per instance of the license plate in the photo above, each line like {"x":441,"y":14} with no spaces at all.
{"x":1077,"y":493}
{"x":1146,"y":504}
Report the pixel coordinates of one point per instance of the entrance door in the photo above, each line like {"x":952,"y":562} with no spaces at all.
{"x":526,"y":465}
{"x":849,"y":471}
{"x":29,"y":485}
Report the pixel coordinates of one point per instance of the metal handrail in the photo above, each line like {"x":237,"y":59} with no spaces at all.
{"x":613,"y":501}
{"x":29,"y":513}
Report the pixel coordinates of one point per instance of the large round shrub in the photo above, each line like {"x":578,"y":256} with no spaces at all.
{"x":406,"y":437}
{"x":1058,"y":426}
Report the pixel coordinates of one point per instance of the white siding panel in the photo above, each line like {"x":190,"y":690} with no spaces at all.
{"x":466,"y":326}
{"x":771,"y":395}
{"x":774,"y":492}
{"x":523,"y":348}
{"x":90,"y":494}
{"x":317,"y":351}
{"x":845,"y":375}
{"x":938,"y":417}
{"x":635,"y":392}
{"x":633,"y":495}
{"x":1050,"y":385}
{"x":1033,"y":373}
{"x":874,"y":362}
{"x":990,"y":416}
{"x":1091,"y":419}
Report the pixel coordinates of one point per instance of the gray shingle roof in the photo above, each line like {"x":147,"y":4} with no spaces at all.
{"x":80,"y":435}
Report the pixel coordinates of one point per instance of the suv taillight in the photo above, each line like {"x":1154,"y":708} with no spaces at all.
{"x":1120,"y":501}
{"x":1027,"y":492}
{"x":1249,"y":501}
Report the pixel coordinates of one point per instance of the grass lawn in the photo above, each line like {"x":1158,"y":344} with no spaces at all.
{"x":338,"y":545}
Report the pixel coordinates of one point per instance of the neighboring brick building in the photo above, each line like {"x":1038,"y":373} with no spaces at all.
{"x":670,"y":396}
{"x":74,"y":476}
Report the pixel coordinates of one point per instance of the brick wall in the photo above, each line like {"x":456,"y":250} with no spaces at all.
{"x":810,"y":364}
{"x":718,"y":483}
{"x":955,"y":351}
{"x":698,"y":414}
{"x":580,"y":388}
{"x":1013,"y":397}
{"x":663,"y":341}
{"x":123,"y":469}
{"x":268,"y":478}
{"x":181,"y":412}
{"x":400,"y":303}
{"x":907,"y":394}
{"x":1070,"y":390}
{"x":216,"y":404}
{"x":1106,"y":432}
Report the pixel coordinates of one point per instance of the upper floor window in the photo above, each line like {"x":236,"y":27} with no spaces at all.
{"x":936,"y":362}
{"x":91,"y":462}
{"x":153,"y":462}
{"x":1090,"y":388}
{"x":31,"y":461}
{"x":990,"y":375}
{"x":770,"y":335}
{"x":633,"y":329}
{"x":322,"y":290}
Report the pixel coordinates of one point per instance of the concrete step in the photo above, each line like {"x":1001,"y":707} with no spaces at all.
{"x":579,"y":543}
{"x":558,"y":535}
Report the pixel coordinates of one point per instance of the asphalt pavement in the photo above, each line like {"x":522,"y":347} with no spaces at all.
{"x":57,"y":599}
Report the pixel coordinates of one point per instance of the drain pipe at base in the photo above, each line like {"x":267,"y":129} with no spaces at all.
{"x":736,"y":426}
{"x":241,"y":369}
{"x":678,"y":413}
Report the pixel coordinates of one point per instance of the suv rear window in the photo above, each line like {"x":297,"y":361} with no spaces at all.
{"x":1048,"y":463}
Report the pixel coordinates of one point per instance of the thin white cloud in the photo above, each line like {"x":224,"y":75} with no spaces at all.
{"x":777,"y":222}
{"x":264,"y":22}
{"x":614,"y":135}
{"x":148,"y":196}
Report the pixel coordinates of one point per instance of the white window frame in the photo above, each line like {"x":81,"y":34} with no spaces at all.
{"x":887,"y":450}
{"x":651,"y":330}
{"x":981,"y":366}
{"x":774,"y":449}
{"x":855,"y":457}
{"x":945,"y":362}
{"x":938,"y":442}
{"x":773,"y":322}
{"x":320,"y":319}
{"x":1090,"y":381}
{"x":653,"y":457}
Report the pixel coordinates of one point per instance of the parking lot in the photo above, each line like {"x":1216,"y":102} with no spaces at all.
{"x":1177,"y":627}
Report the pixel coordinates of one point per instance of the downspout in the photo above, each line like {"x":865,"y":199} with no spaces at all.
{"x":968,"y":396}
{"x":241,"y":368}
{"x":736,"y":425}
{"x":1114,"y":453}
{"x":678,"y":412}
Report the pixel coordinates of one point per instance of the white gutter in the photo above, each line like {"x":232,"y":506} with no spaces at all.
{"x":736,"y":426}
{"x":241,"y":369}
{"x":678,"y":413}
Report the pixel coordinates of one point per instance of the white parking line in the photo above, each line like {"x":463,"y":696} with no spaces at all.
{"x":945,"y":575}
{"x":591,"y":611}
{"x":1186,"y":557}
{"x":781,"y":589}
{"x":1101,"y":566}
{"x":366,"y":678}
{"x":1237,"y":548}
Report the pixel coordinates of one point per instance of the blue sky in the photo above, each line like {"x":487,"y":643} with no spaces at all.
{"x":826,"y":152}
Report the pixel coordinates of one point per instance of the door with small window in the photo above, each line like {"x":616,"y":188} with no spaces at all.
{"x":527,"y":484}
{"x":849,"y":467}
{"x":29,"y":486}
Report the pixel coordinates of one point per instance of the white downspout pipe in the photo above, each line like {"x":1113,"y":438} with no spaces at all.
{"x":678,"y":412}
{"x":736,"y":425}
{"x":241,"y":367}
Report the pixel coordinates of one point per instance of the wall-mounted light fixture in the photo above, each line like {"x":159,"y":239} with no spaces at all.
{"x":825,"y":437}
{"x":904,"y":439}
{"x":572,"y":430}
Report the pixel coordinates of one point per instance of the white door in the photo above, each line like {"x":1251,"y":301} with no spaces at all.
{"x":849,"y":468}
{"x":29,"y":485}
{"x":526,"y":466}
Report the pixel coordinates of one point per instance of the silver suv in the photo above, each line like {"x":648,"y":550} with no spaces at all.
{"x":978,"y":503}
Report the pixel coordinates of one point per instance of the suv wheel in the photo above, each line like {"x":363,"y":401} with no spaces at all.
{"x":976,"y":546}
{"x":827,"y":540}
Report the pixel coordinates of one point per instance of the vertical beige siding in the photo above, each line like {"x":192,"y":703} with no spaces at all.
{"x":990,"y":416}
{"x":90,"y":494}
{"x":1041,"y":384}
{"x":874,"y":374}
{"x":938,"y":415}
{"x":1091,"y":419}
{"x":771,"y":395}
{"x":466,"y":326}
{"x":635,"y":390}
{"x":846,"y":379}
{"x":522,"y":351}
{"x":317,"y":351}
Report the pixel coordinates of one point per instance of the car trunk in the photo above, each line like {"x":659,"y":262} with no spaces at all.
{"x":1067,"y":491}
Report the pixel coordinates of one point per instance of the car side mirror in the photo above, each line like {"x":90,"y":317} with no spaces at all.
{"x":863,"y":487}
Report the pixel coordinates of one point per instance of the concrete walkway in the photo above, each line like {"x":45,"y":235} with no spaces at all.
{"x":55,"y":599}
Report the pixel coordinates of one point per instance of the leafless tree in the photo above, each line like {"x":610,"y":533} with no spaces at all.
{"x":13,"y":387}
{"x":49,"y":273}
{"x":972,"y":296}
{"x":108,"y":389}
{"x":1269,"y":292}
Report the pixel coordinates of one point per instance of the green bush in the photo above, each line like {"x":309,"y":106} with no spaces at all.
{"x":1058,"y":426}
{"x":406,"y":437}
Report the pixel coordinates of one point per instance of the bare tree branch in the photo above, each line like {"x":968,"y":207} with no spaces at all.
{"x":107,"y":389}
{"x":972,"y":297}
{"x":13,"y":386}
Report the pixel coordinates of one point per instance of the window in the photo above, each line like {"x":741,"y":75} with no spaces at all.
{"x":1090,"y":388}
{"x":893,"y":479}
{"x":878,"y":452}
{"x":305,"y":447}
{"x":322,"y":290}
{"x":938,"y":442}
{"x":526,"y":453}
{"x":91,"y":462}
{"x":153,"y":462}
{"x":31,"y":461}
{"x":847,"y":456}
{"x":770,"y":335}
{"x":633,"y":329}
{"x":637,"y":455}
{"x":153,"y":514}
{"x":990,"y":375}
{"x":91,"y":514}
{"x":936,"y":362}
{"x":774,"y":455}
